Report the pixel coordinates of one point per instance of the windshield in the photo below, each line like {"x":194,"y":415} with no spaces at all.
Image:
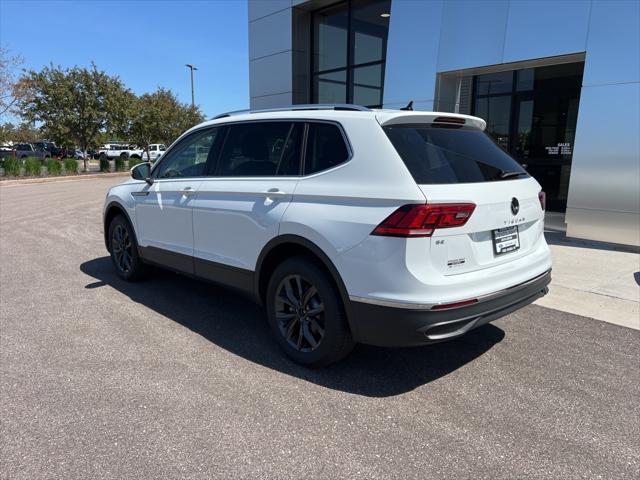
{"x":436,"y":154}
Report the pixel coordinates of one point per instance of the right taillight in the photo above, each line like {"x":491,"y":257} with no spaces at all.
{"x":543,"y":199}
{"x":415,"y":220}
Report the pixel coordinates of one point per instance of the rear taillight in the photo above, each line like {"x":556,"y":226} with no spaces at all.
{"x":415,"y":220}
{"x":543,"y":199}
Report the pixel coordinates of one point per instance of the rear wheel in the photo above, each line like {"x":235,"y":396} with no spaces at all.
{"x":124,"y":250}
{"x":306,"y":313}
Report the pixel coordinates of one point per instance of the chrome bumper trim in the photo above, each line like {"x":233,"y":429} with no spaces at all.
{"x":428,"y":306}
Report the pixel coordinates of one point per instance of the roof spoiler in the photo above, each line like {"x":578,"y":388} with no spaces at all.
{"x":398,"y":117}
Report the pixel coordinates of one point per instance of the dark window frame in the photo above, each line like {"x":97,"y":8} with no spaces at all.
{"x":350,"y":66}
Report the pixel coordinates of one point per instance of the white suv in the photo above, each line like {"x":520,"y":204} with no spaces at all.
{"x":385,"y":227}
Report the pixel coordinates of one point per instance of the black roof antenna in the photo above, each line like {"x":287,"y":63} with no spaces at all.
{"x":409,"y":106}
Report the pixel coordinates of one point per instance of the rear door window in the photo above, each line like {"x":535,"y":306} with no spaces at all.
{"x":261,"y":149}
{"x":437,"y":154}
{"x":326,"y":148}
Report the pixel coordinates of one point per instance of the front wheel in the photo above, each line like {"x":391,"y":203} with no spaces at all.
{"x":306,"y":313}
{"x":124,"y":250}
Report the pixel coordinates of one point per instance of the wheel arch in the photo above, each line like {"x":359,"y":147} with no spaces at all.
{"x":285,"y":246}
{"x":113,"y":209}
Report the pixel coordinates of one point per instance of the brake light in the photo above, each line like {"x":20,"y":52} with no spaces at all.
{"x":454,"y":120}
{"x":543,"y":199}
{"x":416,"y":220}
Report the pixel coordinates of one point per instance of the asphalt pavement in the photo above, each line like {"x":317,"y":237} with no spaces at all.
{"x":176,"y":378}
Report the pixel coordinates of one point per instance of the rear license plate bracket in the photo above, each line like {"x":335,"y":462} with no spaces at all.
{"x":506,"y":240}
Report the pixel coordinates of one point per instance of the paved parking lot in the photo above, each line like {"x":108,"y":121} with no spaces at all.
{"x":174,"y":378}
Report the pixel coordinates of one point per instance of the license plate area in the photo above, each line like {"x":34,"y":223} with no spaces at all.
{"x":506,"y":240}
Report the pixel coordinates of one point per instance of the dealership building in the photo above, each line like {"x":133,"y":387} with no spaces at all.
{"x":558,"y":83}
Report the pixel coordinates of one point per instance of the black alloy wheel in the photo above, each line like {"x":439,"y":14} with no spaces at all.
{"x":300,"y":313}
{"x":306,"y":313}
{"x":122,"y":248}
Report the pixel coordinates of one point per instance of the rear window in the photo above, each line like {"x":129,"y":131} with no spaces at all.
{"x":437,"y":154}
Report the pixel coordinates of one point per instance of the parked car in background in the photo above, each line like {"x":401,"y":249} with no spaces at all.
{"x":50,"y":147}
{"x":119,"y":150}
{"x":24,"y":150}
{"x":79,"y":154}
{"x":155,"y":152}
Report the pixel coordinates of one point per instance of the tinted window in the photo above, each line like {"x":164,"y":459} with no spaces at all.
{"x":189,"y":158}
{"x":261,"y":149}
{"x":325,"y":147}
{"x":436,"y":154}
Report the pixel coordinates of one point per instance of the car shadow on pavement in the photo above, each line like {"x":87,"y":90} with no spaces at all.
{"x":237,"y":325}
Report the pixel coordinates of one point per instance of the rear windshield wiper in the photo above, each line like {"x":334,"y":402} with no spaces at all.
{"x":504,"y":174}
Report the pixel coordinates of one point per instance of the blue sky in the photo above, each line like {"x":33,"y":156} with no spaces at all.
{"x":145,"y":43}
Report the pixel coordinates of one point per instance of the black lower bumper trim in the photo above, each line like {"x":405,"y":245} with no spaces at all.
{"x":399,"y":327}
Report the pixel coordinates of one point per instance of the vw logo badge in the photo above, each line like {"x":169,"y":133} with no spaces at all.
{"x":515,"y":206}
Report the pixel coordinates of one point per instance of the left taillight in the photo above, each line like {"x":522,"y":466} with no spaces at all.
{"x":416,"y":220}
{"x":543,"y":199}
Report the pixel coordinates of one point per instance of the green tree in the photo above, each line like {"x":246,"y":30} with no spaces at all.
{"x":18,"y":133}
{"x":75,"y":106}
{"x":159,"y":117}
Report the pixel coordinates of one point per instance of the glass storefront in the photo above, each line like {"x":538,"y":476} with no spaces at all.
{"x":349,"y":51}
{"x":532,"y":113}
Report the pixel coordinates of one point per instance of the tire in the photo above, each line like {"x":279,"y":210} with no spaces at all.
{"x":123,"y":247}
{"x":295,"y":329}
{"x":124,"y":156}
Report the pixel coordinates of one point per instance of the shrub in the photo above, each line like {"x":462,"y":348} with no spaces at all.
{"x":133,"y":162}
{"x":54,"y":167}
{"x":104,"y":164}
{"x":12,"y":166}
{"x":32,"y":166}
{"x":70,"y":165}
{"x":120,"y":164}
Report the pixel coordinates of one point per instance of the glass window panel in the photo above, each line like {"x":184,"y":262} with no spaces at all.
{"x":325,"y":148}
{"x":370,"y":30}
{"x":330,"y":87}
{"x":330,"y":28}
{"x":189,"y":158}
{"x":253,"y":149}
{"x":367,"y":85}
{"x":496,"y":111}
{"x":524,"y":80}
{"x":492,"y":83}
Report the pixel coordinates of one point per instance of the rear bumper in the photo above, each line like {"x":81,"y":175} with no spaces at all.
{"x":399,"y":327}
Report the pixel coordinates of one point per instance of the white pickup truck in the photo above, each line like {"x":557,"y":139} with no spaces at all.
{"x":119,"y":150}
{"x":155,"y":152}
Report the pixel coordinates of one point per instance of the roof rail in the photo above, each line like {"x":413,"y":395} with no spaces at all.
{"x":309,"y":106}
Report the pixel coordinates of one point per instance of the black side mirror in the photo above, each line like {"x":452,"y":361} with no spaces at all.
{"x":142,"y":171}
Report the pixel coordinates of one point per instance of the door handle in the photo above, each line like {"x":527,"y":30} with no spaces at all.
{"x":274,"y":192}
{"x":187,"y":191}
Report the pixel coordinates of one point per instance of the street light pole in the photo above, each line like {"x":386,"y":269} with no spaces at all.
{"x":192,"y":68}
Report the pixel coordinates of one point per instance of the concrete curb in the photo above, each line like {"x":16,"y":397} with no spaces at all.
{"x":80,"y":176}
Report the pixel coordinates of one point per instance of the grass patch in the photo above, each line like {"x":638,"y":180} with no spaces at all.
{"x":12,"y":166}
{"x":70,"y":165}
{"x":54,"y":167}
{"x":32,"y":166}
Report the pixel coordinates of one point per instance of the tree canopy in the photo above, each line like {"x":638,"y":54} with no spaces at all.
{"x":75,"y":106}
{"x":160,"y":118}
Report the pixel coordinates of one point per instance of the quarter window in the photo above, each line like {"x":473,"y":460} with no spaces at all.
{"x":325,"y":148}
{"x":261,"y":149}
{"x":189,"y":158}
